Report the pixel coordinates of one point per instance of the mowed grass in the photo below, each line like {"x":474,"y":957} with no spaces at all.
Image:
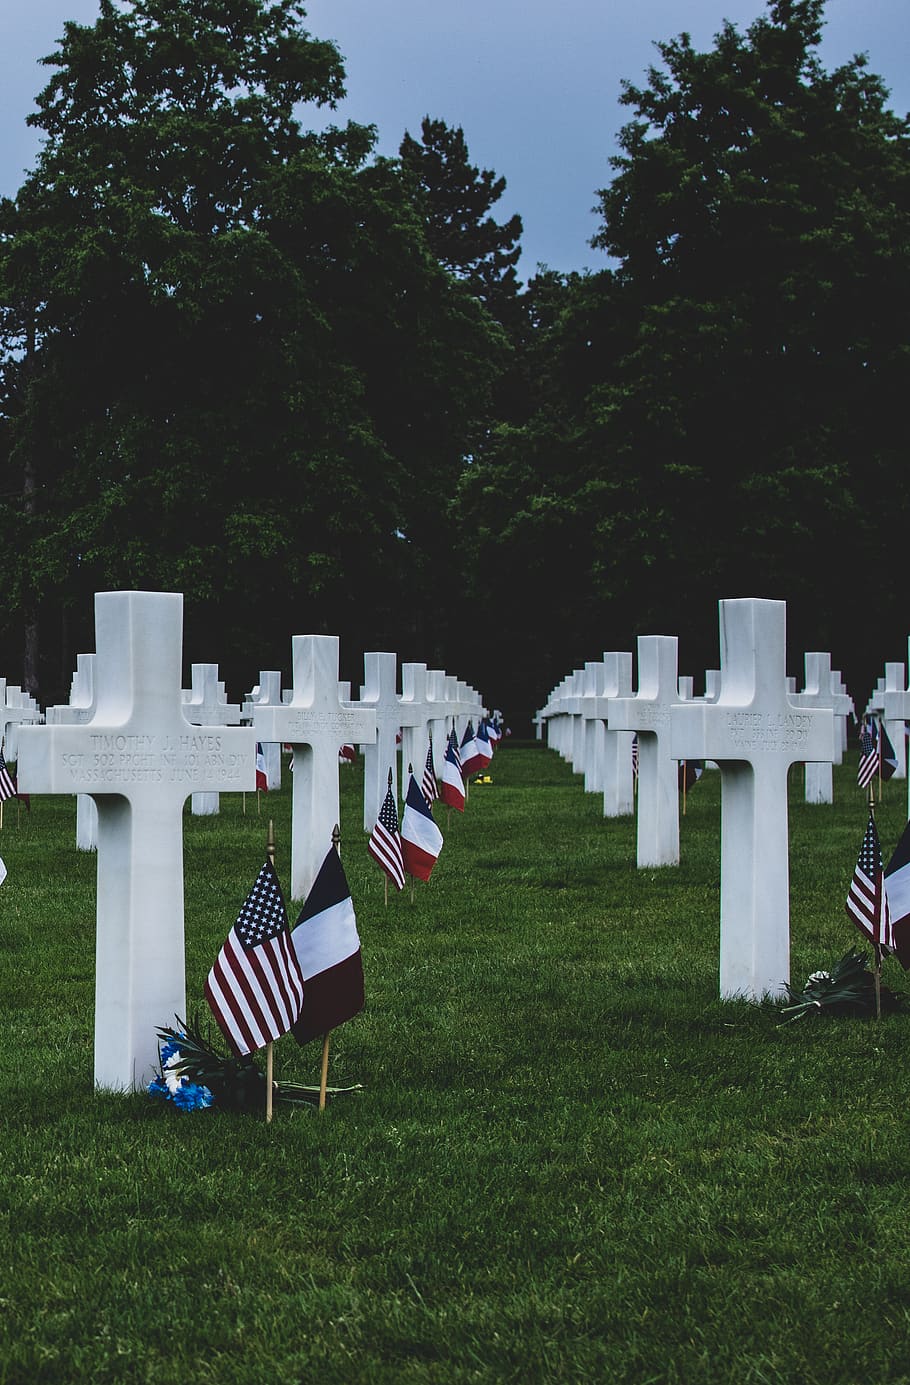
{"x":569,"y":1162}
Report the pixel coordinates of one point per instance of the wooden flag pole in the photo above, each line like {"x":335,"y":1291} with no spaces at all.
{"x":324,"y":1076}
{"x":684,"y":787}
{"x":269,"y":1055}
{"x":244,"y":803}
{"x":877,"y":942}
{"x":386,"y":885}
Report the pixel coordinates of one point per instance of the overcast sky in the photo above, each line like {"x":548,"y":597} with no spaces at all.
{"x":534,"y":85}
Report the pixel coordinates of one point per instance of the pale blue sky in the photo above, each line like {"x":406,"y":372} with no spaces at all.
{"x":534,"y":85}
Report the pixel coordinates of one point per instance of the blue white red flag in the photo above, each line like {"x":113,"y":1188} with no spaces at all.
{"x":328,"y":945}
{"x":451,"y":789}
{"x":421,"y":839}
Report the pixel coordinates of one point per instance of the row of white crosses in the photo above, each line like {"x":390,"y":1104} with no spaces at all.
{"x":17,"y":708}
{"x":754,"y":728}
{"x":136,"y":746}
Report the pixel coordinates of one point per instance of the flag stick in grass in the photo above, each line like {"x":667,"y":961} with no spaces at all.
{"x":327,"y":945}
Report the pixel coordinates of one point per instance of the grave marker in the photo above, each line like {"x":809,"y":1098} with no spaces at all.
{"x":755,"y":732}
{"x":139,"y":758}
{"x":315,"y":723}
{"x":648,"y":714}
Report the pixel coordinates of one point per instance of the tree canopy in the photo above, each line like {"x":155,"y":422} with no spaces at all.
{"x":232,"y":364}
{"x":302,"y":382}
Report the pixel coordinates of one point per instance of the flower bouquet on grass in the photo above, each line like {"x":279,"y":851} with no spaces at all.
{"x":193,"y":1074}
{"x":848,"y":989}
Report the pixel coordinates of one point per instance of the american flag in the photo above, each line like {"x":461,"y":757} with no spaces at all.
{"x":869,"y":755}
{"x":867,"y":900}
{"x":456,"y":749}
{"x":255,"y":988}
{"x":385,"y":840}
{"x":428,"y":782}
{"x":7,"y":782}
{"x":635,"y":757}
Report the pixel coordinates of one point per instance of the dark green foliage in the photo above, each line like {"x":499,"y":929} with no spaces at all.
{"x":847,"y":989}
{"x":720,"y":412}
{"x":227,"y":348}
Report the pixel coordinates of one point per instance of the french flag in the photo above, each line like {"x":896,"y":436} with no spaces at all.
{"x":471,"y":759}
{"x":451,"y":788}
{"x":262,"y":778}
{"x":421,"y":839}
{"x":327,"y":944}
{"x":482,"y":744}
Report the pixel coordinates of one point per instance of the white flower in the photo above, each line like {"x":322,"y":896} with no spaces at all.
{"x":173,"y":1080}
{"x":818,"y":976}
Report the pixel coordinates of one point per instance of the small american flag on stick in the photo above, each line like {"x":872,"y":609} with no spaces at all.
{"x":867,"y":900}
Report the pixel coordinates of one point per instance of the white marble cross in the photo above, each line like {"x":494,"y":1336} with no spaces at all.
{"x":379,"y":692}
{"x":205,"y":704}
{"x":894,"y":703}
{"x":895,"y":682}
{"x":594,"y":730}
{"x":615,"y":748}
{"x":16,"y":709}
{"x":817,"y":692}
{"x":755,"y":732}
{"x":81,"y":709}
{"x":315,"y":723}
{"x":648,"y":713}
{"x":415,"y":727}
{"x":139,"y":758}
{"x":267,"y":693}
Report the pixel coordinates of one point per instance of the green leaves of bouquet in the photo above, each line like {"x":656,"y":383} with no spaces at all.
{"x":190,"y":1064}
{"x":848,"y":989}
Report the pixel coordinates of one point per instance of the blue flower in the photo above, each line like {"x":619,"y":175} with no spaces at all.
{"x":192,"y":1097}
{"x":157,"y":1087}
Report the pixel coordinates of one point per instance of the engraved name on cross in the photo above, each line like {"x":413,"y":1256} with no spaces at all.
{"x":139,"y":758}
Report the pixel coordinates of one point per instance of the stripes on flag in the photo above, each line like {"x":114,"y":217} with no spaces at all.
{"x":867,"y":899}
{"x":451,"y":790}
{"x":255,"y":988}
{"x":869,"y":755}
{"x":262,"y":778}
{"x":421,"y":839}
{"x":328,"y":946}
{"x":385,"y":841}
{"x":428,"y":782}
{"x":7,"y":783}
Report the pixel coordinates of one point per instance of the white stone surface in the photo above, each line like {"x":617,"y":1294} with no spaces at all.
{"x":205,"y":704}
{"x":267,"y":693}
{"x":648,"y":714}
{"x":80,"y":710}
{"x":17,"y":708}
{"x":755,"y":732}
{"x":895,"y":682}
{"x":817,"y":694}
{"x":315,"y":722}
{"x":139,"y":758}
{"x":415,"y":729}
{"x":379,"y":694}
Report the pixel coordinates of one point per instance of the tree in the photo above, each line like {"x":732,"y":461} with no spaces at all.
{"x":456,"y":199}
{"x":728,"y":418}
{"x":205,"y":337}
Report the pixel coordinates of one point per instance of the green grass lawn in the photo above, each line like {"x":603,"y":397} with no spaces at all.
{"x":569,"y":1162}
